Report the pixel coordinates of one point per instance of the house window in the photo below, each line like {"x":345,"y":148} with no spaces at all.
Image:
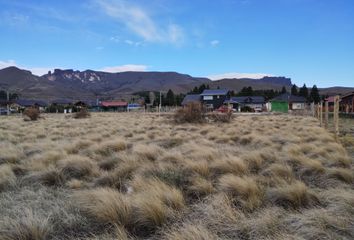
{"x":207,"y":97}
{"x":217,"y":96}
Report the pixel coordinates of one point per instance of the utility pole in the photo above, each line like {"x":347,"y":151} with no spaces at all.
{"x":8,"y":100}
{"x":160,"y":105}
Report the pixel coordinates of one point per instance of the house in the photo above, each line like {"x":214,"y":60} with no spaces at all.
{"x":213,"y":99}
{"x":286,"y":102}
{"x":116,"y":106}
{"x":347,"y":103}
{"x":330,"y":101}
{"x":21,"y":104}
{"x":256,"y":103}
{"x":191,"y":98}
{"x":61,"y":106}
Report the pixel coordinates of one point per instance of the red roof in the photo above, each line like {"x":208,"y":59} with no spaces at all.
{"x":114,"y":104}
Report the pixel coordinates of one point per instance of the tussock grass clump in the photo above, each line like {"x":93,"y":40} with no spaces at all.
{"x":49,"y":177}
{"x":105,"y":205}
{"x":232,"y":165}
{"x":31,"y":114}
{"x":200,"y":187}
{"x":191,"y":231}
{"x":147,"y":152}
{"x":294,"y":196}
{"x":109,"y":147}
{"x":28,"y":227}
{"x":149,"y":213}
{"x":77,"y":167}
{"x":170,"y":196}
{"x":245,"y":190}
{"x":193,"y":112}
{"x":342,"y":174}
{"x":7,"y":177}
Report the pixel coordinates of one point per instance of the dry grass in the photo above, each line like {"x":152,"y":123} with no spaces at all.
{"x":140,"y":176}
{"x":105,"y":205}
{"x":244,"y":189}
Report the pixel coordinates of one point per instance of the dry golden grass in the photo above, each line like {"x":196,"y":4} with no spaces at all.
{"x":105,"y":205}
{"x":140,"y":176}
{"x":245,"y":190}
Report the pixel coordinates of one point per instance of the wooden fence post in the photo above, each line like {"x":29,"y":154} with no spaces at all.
{"x":336,"y":115}
{"x":326,"y":114}
{"x":321,"y":110}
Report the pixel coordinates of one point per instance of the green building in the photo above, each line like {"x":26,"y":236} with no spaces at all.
{"x":285,"y":102}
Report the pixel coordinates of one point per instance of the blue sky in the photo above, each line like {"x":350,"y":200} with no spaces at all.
{"x":310,"y":41}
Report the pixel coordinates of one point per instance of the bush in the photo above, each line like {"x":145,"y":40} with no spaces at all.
{"x":193,"y":112}
{"x":247,"y":109}
{"x":83,"y":113}
{"x":31,"y":114}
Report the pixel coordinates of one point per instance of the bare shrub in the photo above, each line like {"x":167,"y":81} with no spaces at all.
{"x":193,"y":112}
{"x":105,"y":205}
{"x":31,"y":114}
{"x":83,"y":113}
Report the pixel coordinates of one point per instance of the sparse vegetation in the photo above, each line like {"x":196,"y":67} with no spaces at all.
{"x":139,"y":176}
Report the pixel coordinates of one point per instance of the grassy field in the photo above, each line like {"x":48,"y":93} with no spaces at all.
{"x":136,"y":176}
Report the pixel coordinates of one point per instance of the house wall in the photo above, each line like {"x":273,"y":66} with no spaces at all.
{"x":347,"y":104}
{"x":216,"y":101}
{"x":298,"y":106}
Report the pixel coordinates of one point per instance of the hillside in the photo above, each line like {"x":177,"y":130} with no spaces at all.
{"x":70,"y":84}
{"x":275,"y":83}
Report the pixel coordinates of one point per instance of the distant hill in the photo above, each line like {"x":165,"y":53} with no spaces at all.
{"x":70,"y":84}
{"x":275,"y":83}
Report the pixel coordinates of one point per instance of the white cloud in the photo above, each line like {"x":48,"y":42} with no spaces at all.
{"x":39,"y":71}
{"x":125,"y":68}
{"x":138,"y":20}
{"x":239,"y":75}
{"x":214,"y":42}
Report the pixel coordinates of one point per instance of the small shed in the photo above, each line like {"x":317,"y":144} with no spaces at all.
{"x":286,"y":102}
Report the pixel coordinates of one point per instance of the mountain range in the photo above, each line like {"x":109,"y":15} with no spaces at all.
{"x":70,"y":84}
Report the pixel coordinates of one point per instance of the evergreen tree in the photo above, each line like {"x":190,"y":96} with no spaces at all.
{"x":304,"y":92}
{"x":283,"y":90}
{"x":315,"y":95}
{"x":294,"y":90}
{"x":170,"y":98}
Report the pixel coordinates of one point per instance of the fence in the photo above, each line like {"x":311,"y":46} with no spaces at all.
{"x":318,"y":112}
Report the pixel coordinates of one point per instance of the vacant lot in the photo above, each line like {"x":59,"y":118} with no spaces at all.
{"x":135,"y":176}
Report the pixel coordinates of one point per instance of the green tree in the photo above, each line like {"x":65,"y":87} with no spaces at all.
{"x":170,"y":98}
{"x":304,"y":92}
{"x":294,"y":90}
{"x":315,"y":95}
{"x":283,"y":90}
